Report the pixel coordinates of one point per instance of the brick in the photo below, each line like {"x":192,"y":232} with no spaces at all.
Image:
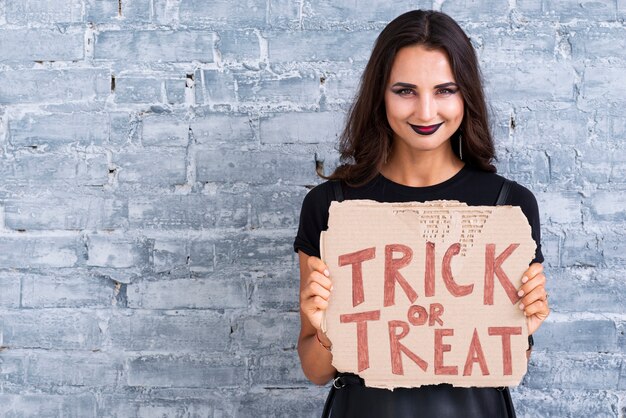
{"x":10,"y":285}
{"x":341,"y":86}
{"x":598,"y":336}
{"x":594,"y":290}
{"x":238,"y":46}
{"x":218,"y":87}
{"x":501,"y":44}
{"x":32,"y":169}
{"x":116,"y":250}
{"x":90,"y":369}
{"x":187,"y":331}
{"x":190,"y":372}
{"x":165,"y":130}
{"x":553,"y":402}
{"x":305,"y":403}
{"x":41,"y":45}
{"x":53,"y":86}
{"x":251,"y":332}
{"x":275,"y":290}
{"x":138,"y":166}
{"x":312,"y":46}
{"x":44,"y":251}
{"x":175,"y":89}
{"x":328,"y":13}
{"x":275,"y":206}
{"x":12,"y":367}
{"x":303,"y":89}
{"x":65,"y":212}
{"x":612,"y":246}
{"x":189,"y":211}
{"x":573,"y":371}
{"x":251,"y":250}
{"x":598,"y":42}
{"x":247,"y":13}
{"x":551,"y":244}
{"x":188,"y":293}
{"x":51,"y":329}
{"x":580,"y":248}
{"x":563,"y":207}
{"x":301,"y":127}
{"x":138,"y":90}
{"x":169,"y":253}
{"x":562,"y":173}
{"x":215,"y":128}
{"x":48,"y":405}
{"x":529,"y":167}
{"x":284,"y":13}
{"x":599,"y":9}
{"x":106,"y":11}
{"x":124,"y":128}
{"x":267,"y":166}
{"x":154,"y":46}
{"x":529,"y":80}
{"x":278,"y":370}
{"x":475,"y":9}
{"x":602,"y":83}
{"x":44,"y":11}
{"x":74,"y":290}
{"x":567,"y":126}
{"x":607,"y":205}
{"x":54,"y":130}
{"x":130,"y":405}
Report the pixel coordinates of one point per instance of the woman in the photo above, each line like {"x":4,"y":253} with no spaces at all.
{"x":417,"y":131}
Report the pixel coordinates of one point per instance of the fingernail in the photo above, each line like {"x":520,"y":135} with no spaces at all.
{"x":331,"y":288}
{"x":521,"y":306}
{"x":520,"y":293}
{"x":326,"y":273}
{"x":524,"y":279}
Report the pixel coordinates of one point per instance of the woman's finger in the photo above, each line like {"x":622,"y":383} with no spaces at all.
{"x":317,"y":264}
{"x":538,"y":293}
{"x":538,"y":308}
{"x":317,"y":277}
{"x":536,"y":281}
{"x":533,"y":270}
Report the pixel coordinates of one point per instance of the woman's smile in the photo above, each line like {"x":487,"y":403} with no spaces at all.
{"x":426,"y":130}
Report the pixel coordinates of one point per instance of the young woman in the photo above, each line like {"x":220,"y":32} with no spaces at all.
{"x":417,"y":131}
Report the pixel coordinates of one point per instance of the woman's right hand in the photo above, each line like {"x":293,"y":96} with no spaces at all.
{"x":315,"y":292}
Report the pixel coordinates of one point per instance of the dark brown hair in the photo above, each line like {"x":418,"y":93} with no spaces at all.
{"x":367,"y":137}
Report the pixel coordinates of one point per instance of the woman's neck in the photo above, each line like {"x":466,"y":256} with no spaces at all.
{"x":421,"y":169}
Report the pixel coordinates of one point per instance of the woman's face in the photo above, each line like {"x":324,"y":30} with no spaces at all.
{"x":423,"y":103}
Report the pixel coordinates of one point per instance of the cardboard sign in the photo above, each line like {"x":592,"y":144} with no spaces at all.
{"x":426,"y":293}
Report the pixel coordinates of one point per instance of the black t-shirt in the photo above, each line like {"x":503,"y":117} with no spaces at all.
{"x":474,"y":187}
{"x":469,"y":185}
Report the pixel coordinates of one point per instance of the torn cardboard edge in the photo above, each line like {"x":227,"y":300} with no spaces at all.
{"x":426,"y":293}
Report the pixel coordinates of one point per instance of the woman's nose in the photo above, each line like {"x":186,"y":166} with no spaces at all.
{"x":425,"y":108}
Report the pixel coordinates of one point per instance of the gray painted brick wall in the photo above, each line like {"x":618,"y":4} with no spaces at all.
{"x":154,"y":155}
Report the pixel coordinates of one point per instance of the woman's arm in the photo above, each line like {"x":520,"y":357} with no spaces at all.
{"x":315,"y":288}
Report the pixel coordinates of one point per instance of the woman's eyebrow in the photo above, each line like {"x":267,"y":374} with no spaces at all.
{"x":412,"y":86}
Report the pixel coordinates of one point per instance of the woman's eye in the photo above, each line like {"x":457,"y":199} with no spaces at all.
{"x":403,"y":92}
{"x":447,"y":91}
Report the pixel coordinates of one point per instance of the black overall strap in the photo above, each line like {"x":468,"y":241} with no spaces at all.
{"x":338,"y":190}
{"x":504,"y":192}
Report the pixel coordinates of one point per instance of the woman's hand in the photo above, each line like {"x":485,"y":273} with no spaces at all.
{"x":534,"y":300}
{"x":315,"y":293}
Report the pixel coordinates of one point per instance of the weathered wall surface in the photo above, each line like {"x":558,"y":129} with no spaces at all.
{"x":154,"y":155}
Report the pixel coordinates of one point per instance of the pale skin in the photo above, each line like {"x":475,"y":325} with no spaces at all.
{"x":420,"y":91}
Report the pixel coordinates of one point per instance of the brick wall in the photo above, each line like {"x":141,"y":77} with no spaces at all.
{"x":154,"y":155}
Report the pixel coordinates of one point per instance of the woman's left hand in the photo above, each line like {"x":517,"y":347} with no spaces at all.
{"x":534,"y":298}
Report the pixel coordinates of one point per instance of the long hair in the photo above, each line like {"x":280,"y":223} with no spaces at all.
{"x":365,"y":142}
